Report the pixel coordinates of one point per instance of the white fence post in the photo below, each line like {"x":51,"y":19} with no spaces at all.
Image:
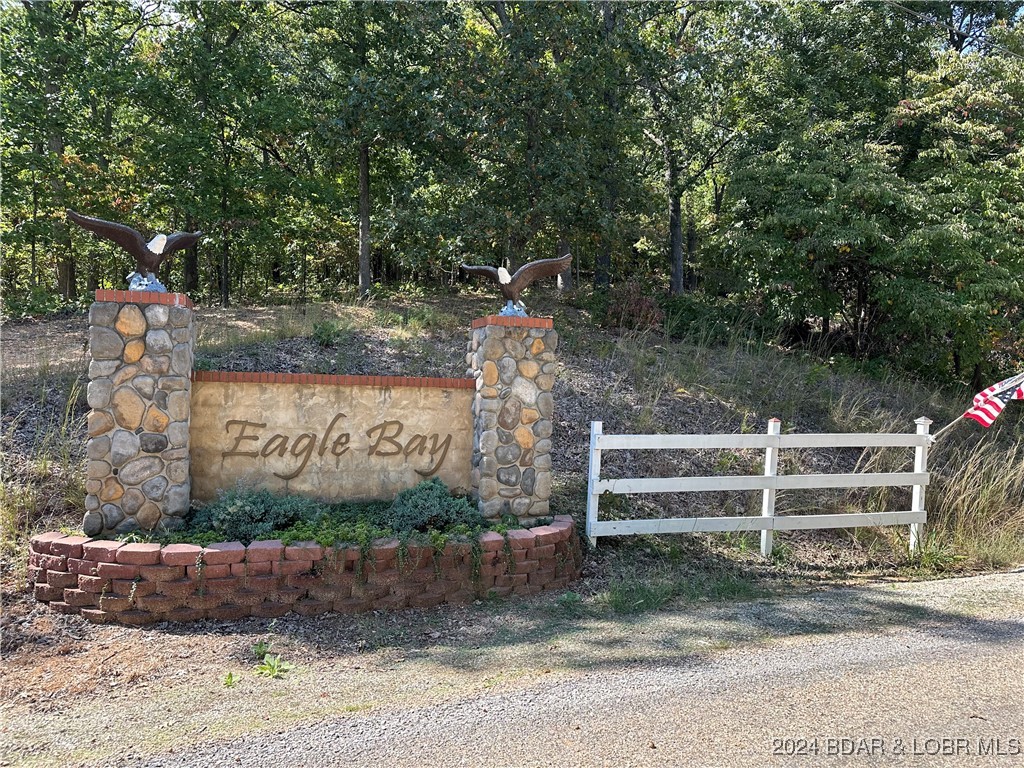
{"x":771,"y":469}
{"x":917,"y":500}
{"x":593,"y":497}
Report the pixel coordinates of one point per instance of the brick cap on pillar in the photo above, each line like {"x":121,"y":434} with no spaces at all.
{"x":145,"y":297}
{"x":547,"y":323}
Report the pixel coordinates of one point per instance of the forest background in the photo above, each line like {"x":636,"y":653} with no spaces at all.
{"x":847,"y":173}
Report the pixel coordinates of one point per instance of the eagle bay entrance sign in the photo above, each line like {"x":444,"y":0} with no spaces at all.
{"x":333,"y":437}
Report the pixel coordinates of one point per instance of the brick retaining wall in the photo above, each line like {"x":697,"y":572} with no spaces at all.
{"x":109,"y":581}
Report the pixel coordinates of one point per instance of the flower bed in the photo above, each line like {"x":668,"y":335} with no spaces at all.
{"x":112,"y":581}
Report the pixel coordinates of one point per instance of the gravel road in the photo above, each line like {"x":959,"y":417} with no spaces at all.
{"x":939,"y":683}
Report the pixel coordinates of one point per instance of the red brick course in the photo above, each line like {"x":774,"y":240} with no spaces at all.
{"x":137,"y":584}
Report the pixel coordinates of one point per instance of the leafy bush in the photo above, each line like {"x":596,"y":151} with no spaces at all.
{"x":327,"y":333}
{"x":430,"y":505}
{"x":248,"y":515}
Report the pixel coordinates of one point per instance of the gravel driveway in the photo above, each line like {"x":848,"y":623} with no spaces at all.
{"x":902,"y":674}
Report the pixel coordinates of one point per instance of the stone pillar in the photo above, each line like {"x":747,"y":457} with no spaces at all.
{"x":140,"y":381}
{"x":513,"y":361}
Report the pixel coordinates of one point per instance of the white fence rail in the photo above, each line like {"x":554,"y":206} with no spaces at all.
{"x":769,"y":483}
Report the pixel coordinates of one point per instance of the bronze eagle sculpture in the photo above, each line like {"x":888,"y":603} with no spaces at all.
{"x":513,"y":285}
{"x":148,"y":256}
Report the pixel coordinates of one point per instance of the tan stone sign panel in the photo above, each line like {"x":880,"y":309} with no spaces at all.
{"x":335,"y":442}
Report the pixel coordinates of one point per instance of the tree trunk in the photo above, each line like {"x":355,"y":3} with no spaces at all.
{"x":365,"y":276}
{"x":675,"y":223}
{"x":190,"y":264}
{"x":564,"y":278}
{"x":691,"y":248}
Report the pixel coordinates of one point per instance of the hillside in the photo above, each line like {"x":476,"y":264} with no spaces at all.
{"x":633,"y":381}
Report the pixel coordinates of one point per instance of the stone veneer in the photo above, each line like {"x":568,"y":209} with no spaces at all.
{"x":141,"y":346}
{"x":110,"y":581}
{"x":513,"y":361}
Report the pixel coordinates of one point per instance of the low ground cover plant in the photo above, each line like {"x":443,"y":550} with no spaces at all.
{"x":428,"y":511}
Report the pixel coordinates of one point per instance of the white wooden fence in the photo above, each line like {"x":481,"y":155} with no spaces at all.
{"x":768,"y":483}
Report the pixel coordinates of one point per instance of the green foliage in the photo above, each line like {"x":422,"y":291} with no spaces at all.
{"x":327,"y":333}
{"x":273,"y":667}
{"x":260,"y":649}
{"x":230,"y":681}
{"x":249,"y":515}
{"x":430,"y":505}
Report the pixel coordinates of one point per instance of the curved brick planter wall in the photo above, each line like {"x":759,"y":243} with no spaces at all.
{"x":107,"y":581}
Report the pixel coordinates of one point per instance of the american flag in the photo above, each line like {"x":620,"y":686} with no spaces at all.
{"x":990,"y":402}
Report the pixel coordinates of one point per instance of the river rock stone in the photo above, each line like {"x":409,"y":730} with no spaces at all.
{"x":158,"y":342}
{"x":507,"y":454}
{"x":488,"y":442}
{"x":155,"y":487}
{"x":174,"y":383}
{"x":148,"y":516}
{"x":529,"y":478}
{"x":177,"y":434}
{"x":102,"y":313}
{"x":112,"y":515}
{"x":524,"y":437}
{"x":178,"y":405}
{"x":529,"y":415}
{"x":181,"y":360}
{"x":525,"y":390}
{"x":180,"y":316}
{"x":124,"y":375}
{"x":508,"y":417}
{"x":545,"y":404}
{"x":157,"y":315}
{"x":128,"y":407}
{"x":155,"y":420}
{"x":145,"y":386}
{"x":124,"y":447}
{"x":543,"y":461}
{"x":492,"y":348}
{"x":134,"y":350}
{"x":97,"y":394}
{"x":130,"y":321}
{"x":488,"y":488}
{"x":152,"y":443}
{"x":490,"y":373}
{"x":505,"y":437}
{"x":526,"y":460}
{"x":92,"y":487}
{"x":98,"y":447}
{"x":156,"y":365}
{"x":521,"y":506}
{"x":132,"y":501}
{"x":92,"y":523}
{"x":542,"y":428}
{"x":111,"y":490}
{"x":507,"y":370}
{"x":104,"y":344}
{"x":99,"y":422}
{"x":515,"y":348}
{"x":181,"y":335}
{"x":537,"y":346}
{"x":160,"y":398}
{"x":509,"y":475}
{"x":529,"y":368}
{"x":138,"y":471}
{"x":176,"y":499}
{"x":99,"y":369}
{"x":128,"y":525}
{"x":545,"y":382}
{"x":542,"y":487}
{"x":488,"y":466}
{"x":97,"y":470}
{"x":177,"y":471}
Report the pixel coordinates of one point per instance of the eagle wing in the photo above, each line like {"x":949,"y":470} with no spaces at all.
{"x":125,"y":236}
{"x":179,"y":240}
{"x":492,"y":273}
{"x":535,"y":270}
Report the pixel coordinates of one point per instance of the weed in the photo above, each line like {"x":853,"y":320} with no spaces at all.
{"x":260,"y":649}
{"x":273,"y":667}
{"x":230,"y":681}
{"x":569,"y":604}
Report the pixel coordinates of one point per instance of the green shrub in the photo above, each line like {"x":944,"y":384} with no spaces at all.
{"x":327,"y":333}
{"x":631,"y":307}
{"x":430,"y":505}
{"x":248,"y":515}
